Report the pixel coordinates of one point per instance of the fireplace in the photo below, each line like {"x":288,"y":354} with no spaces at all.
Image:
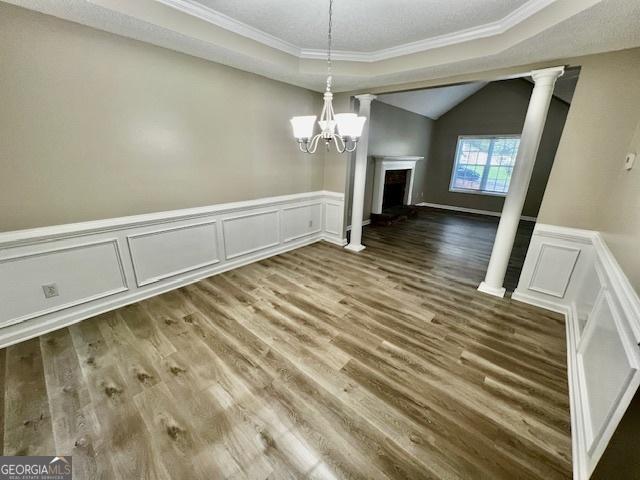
{"x":393,"y":182}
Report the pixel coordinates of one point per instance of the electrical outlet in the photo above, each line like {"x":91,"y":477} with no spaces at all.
{"x":50,"y":290}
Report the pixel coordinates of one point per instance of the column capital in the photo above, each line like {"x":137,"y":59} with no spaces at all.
{"x":546,"y":75}
{"x":366,"y":98}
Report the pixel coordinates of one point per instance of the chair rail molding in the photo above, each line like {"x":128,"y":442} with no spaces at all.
{"x":573,"y":272}
{"x":382,"y":165}
{"x":102,"y":265}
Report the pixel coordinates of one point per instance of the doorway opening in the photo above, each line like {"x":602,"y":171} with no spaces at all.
{"x":466,"y":138}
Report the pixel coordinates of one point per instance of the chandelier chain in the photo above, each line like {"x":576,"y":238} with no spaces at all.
{"x":329,"y":41}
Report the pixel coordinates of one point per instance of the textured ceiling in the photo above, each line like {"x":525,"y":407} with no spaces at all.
{"x":609,"y":25}
{"x":363,"y":25}
{"x":432,"y":102}
{"x":564,"y":29}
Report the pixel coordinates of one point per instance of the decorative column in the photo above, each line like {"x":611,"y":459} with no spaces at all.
{"x":360,"y":176}
{"x":534,"y":122}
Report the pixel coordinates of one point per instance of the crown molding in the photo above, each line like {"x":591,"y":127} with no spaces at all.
{"x":221,"y":20}
{"x":226,"y":22}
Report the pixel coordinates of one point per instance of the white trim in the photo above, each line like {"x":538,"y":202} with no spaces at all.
{"x":496,"y":292}
{"x":255,"y":249}
{"x":539,"y":302}
{"x":593,"y":437}
{"x":62,"y":238}
{"x":125,"y":287}
{"x":355,"y":248}
{"x":305,"y":234}
{"x":301,"y":235}
{"x":21,"y":332}
{"x":575,"y":405}
{"x":619,"y":283}
{"x":384,"y":164}
{"x":471,"y":210}
{"x":221,"y":20}
{"x":595,"y":269}
{"x":476,"y":192}
{"x":332,"y":239}
{"x":456,"y":158}
{"x":327,"y":229}
{"x":142,"y":282}
{"x":491,"y":29}
{"x":585,"y":237}
{"x":536,"y":268}
{"x":45,"y":234}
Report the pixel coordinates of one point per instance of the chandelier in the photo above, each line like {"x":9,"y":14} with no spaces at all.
{"x":348,"y":125}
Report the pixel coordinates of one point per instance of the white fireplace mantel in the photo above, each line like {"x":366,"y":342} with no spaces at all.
{"x":382,"y":164}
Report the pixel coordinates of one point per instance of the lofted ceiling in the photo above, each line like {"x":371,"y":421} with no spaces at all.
{"x":432,"y":102}
{"x":435,"y":102}
{"x":378,"y":42}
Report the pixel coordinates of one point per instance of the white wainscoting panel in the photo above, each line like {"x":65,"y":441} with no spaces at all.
{"x":333,"y":218}
{"x":101,"y":265}
{"x":573,"y":272}
{"x":170,"y":251}
{"x":606,"y":365}
{"x":245,"y":234}
{"x":588,"y":293}
{"x":72,"y":268}
{"x":333,"y":221}
{"x":553,"y":269}
{"x":301,"y":221}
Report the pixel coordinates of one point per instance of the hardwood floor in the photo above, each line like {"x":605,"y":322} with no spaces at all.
{"x":318,"y":363}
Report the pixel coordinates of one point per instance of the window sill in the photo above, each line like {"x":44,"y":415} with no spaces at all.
{"x":478,"y":192}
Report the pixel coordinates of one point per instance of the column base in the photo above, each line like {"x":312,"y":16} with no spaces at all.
{"x":496,"y":292}
{"x":355,"y":247}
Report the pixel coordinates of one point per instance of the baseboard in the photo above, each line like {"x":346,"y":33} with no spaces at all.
{"x":572,"y":272}
{"x":335,"y":240}
{"x":519,"y":296}
{"x":364,"y":224}
{"x":102,"y":265}
{"x":470,"y":210}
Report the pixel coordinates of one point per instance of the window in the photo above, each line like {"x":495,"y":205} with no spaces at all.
{"x":483,"y":164}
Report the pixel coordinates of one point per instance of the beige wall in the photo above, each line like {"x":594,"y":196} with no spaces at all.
{"x":499,"y":108}
{"x":94,"y":126}
{"x":588,"y":187}
{"x":395,"y":132}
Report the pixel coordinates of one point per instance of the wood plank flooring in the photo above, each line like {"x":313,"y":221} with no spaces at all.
{"x":317,"y":364}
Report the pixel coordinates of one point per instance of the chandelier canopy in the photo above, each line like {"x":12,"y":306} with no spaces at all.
{"x":349,"y":125}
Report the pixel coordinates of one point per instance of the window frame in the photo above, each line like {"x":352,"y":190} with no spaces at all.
{"x":455,"y":166}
